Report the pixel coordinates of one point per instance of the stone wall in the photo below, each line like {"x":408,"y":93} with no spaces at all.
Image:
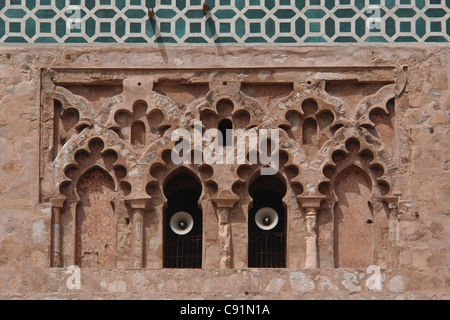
{"x":416,"y":267}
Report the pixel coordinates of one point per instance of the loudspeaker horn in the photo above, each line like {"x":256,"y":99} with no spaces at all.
{"x":181,"y":223}
{"x":266,"y":218}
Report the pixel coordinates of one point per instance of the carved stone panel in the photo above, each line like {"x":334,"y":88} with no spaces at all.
{"x":96,"y":238}
{"x":108,"y":137}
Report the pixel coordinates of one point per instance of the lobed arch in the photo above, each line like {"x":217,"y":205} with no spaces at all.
{"x":309,"y":99}
{"x":373,"y":158}
{"x":358,"y":192}
{"x":160,"y":110}
{"x":161,"y":169}
{"x":293,"y":170}
{"x":183,"y":171}
{"x":139,"y":124}
{"x":79,"y":155}
{"x":91,"y":174}
{"x":293,"y":224}
{"x":243,"y":110}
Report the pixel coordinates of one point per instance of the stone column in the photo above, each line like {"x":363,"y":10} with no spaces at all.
{"x":57,"y":205}
{"x":393,"y":253}
{"x":312,"y":252}
{"x":138,"y":243}
{"x":224,"y":239}
{"x":311,"y":204}
{"x":225,"y":201}
{"x":393,"y":221}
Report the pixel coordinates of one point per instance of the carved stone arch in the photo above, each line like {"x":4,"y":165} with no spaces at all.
{"x":93,"y":153}
{"x":245,"y":113}
{"x":70,"y":100}
{"x":356,"y":181}
{"x":124,"y":156}
{"x":377,"y":114}
{"x":290,"y":155}
{"x":376,"y":100}
{"x":66,"y":116}
{"x":165,"y":182}
{"x":179,"y":174}
{"x":310,"y":108}
{"x":150,"y":112}
{"x":295,"y":234}
{"x":370,"y":147}
{"x":249,"y":173}
{"x":158,"y":164}
{"x":74,"y":169}
{"x":162,"y":167}
{"x":242,"y":114}
{"x":180,"y":170}
{"x":65,"y":96}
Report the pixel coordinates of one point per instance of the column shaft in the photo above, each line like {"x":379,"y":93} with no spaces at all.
{"x":138,"y":238}
{"x":56,"y":243}
{"x":312,"y":258}
{"x":224,"y":239}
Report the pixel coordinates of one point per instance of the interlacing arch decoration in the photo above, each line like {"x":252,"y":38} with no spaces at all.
{"x":359,"y":195}
{"x":142,"y":115}
{"x":92,"y":154}
{"x":92,"y":187}
{"x":315,"y":122}
{"x":119,"y":156}
{"x":309,"y":117}
{"x":356,"y":152}
{"x":309,"y":99}
{"x":182,"y":188}
{"x":277,"y":191}
{"x":327,"y":142}
{"x":162,"y":167}
{"x":225,"y":100}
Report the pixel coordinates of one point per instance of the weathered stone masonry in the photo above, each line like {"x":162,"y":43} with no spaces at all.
{"x":362,"y":176}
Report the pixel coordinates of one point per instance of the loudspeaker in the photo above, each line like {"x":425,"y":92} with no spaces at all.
{"x":266,"y":218}
{"x":181,"y":223}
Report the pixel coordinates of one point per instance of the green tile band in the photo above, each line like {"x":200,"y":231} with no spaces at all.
{"x":227,"y":21}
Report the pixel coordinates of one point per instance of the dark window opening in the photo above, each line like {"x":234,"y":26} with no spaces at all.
{"x":182,"y":223}
{"x":267,"y":233}
{"x":226,"y":130}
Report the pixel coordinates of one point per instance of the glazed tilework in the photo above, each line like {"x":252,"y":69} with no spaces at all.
{"x":227,"y":21}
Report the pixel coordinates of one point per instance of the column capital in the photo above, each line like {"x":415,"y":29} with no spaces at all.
{"x":225,"y":199}
{"x":57,"y":202}
{"x":138,"y":201}
{"x":310,"y":202}
{"x":390,"y":200}
{"x":392,"y":203}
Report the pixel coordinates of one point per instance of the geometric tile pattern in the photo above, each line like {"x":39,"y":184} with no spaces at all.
{"x":227,"y":21}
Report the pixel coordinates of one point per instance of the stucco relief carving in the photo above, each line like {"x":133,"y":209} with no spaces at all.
{"x":327,"y":144}
{"x":96,"y":241}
